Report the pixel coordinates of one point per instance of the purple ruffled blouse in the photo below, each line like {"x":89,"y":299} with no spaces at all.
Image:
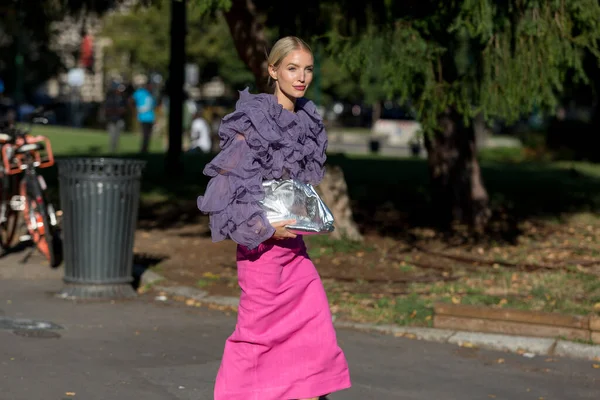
{"x":260,"y":140}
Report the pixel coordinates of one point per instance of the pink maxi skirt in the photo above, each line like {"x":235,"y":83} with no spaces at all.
{"x":284,"y":345}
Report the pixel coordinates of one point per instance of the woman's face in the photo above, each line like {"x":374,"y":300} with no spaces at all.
{"x":294,"y":73}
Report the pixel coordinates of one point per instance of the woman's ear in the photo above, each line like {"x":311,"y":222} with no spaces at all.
{"x":273,"y":72}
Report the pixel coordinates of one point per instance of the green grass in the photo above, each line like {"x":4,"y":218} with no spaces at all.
{"x":321,"y":245}
{"x":503,"y":154}
{"x":559,"y":292}
{"x":68,"y":141}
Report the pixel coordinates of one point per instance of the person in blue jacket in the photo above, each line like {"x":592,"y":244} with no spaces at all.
{"x":145,"y":105}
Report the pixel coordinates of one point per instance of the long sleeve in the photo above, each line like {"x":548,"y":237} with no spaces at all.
{"x":260,"y":140}
{"x":232,"y":195}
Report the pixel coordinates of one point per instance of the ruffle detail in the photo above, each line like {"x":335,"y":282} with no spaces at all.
{"x":232,"y":197}
{"x":260,"y":140}
{"x":286,"y":144}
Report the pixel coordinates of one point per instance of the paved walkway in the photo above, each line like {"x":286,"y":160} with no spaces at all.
{"x":143,"y":349}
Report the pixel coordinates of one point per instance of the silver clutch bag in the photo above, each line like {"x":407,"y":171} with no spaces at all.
{"x":292,"y":199}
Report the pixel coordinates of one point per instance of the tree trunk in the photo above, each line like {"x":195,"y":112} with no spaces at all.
{"x":334,"y":192}
{"x":248,"y":31}
{"x":175,"y":88}
{"x":459,"y":196}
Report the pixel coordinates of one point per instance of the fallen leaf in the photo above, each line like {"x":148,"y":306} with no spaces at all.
{"x":70,"y":394}
{"x":596,"y":366}
{"x":413,"y":314}
{"x":492,"y":396}
{"x":597,"y":307}
{"x":500,"y":361}
{"x":455,"y":300}
{"x":468,"y":345}
{"x":502,"y":302}
{"x":190,"y":302}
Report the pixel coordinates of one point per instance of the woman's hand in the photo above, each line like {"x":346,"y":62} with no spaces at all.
{"x":280,"y":230}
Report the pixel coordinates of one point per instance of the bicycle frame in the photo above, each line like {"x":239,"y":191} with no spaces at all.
{"x":22,"y":154}
{"x":16,"y":163}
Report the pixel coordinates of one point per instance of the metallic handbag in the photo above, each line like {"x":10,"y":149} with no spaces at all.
{"x":292,"y":199}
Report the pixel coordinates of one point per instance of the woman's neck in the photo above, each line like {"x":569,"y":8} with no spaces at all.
{"x":288,"y":103}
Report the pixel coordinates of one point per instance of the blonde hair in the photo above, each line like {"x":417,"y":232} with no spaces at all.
{"x":282,"y":48}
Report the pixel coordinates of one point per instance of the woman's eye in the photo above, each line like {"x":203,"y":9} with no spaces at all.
{"x":292,"y":69}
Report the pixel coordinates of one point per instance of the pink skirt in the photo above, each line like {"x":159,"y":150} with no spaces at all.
{"x":284,"y":345}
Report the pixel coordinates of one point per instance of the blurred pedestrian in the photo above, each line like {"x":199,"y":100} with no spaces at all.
{"x":115,"y":109}
{"x":145,"y":105}
{"x":200,"y":140}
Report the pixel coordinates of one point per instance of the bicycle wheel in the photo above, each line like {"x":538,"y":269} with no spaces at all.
{"x":41,"y":219}
{"x":9,"y":217}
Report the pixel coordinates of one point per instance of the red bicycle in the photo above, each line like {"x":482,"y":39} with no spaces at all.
{"x":23,"y":192}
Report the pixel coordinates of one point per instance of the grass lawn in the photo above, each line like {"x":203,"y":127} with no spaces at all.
{"x":544,"y":215}
{"x":67,"y":141}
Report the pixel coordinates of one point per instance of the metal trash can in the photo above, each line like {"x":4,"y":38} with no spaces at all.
{"x":100,"y":200}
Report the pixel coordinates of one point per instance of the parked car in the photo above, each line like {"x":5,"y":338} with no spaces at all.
{"x":397,"y":126}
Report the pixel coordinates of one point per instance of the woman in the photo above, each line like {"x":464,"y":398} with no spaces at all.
{"x":284,"y":345}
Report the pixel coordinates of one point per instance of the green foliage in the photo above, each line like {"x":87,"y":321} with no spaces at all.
{"x":499,"y":58}
{"x":141,"y":41}
{"x":140,"y":38}
{"x":203,"y":7}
